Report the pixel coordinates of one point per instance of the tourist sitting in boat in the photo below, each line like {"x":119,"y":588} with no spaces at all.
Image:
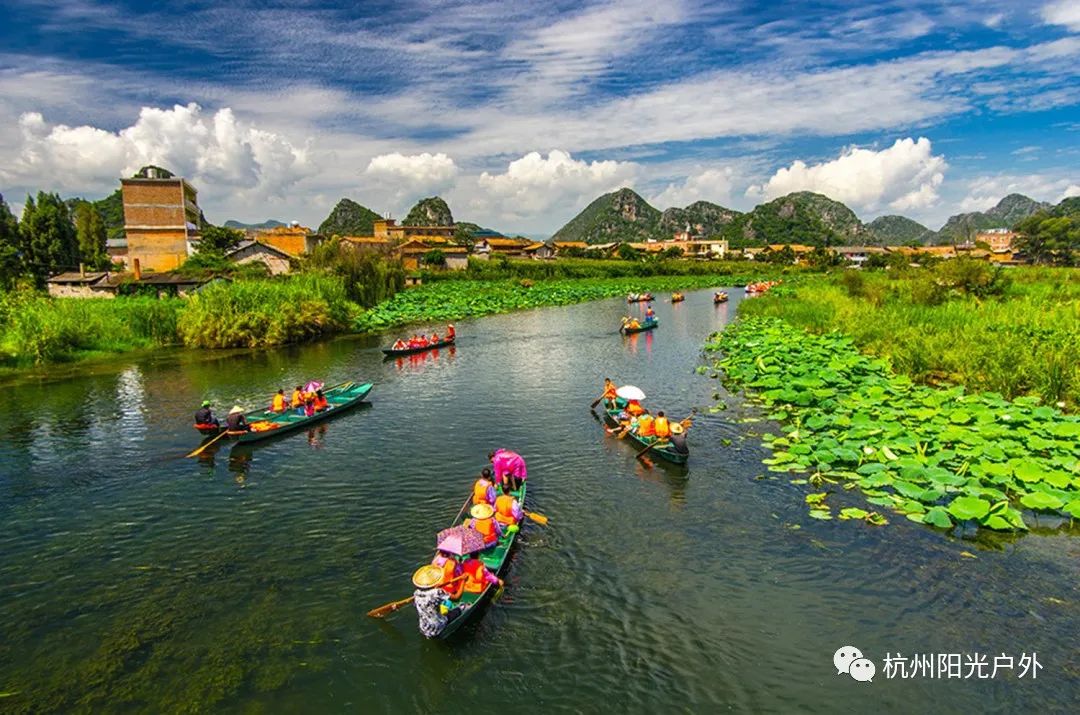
{"x":321,"y":402}
{"x":449,"y":567}
{"x":279,"y":403}
{"x":609,"y":393}
{"x":634,"y":408}
{"x":507,"y":509}
{"x":630,"y":323}
{"x":484,"y":488}
{"x":204,"y":417}
{"x":661,"y":426}
{"x":309,"y":405}
{"x":483,"y":520}
{"x":297,"y":400}
{"x":678,"y":438}
{"x":450,"y":333}
{"x":477,"y":575}
{"x":509,"y":468}
{"x":400,"y":345}
{"x":434,"y":338}
{"x":236,"y":422}
{"x":646,"y":426}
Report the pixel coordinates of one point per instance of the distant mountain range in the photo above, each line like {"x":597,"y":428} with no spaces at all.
{"x":801,"y":217}
{"x":268,"y":223}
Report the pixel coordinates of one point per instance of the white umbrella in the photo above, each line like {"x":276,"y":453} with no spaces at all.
{"x":629,"y":392}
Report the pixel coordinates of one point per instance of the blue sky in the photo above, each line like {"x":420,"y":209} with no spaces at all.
{"x":520,"y":113}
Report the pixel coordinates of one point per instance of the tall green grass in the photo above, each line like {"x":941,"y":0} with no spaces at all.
{"x":1024,"y":341}
{"x":37,"y":329}
{"x":265,"y":313}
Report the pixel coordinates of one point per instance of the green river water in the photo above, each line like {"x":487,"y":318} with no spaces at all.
{"x":134,"y":580}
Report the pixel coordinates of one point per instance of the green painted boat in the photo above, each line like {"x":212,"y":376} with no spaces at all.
{"x":667,"y":453}
{"x":648,"y":325}
{"x":340,"y":397}
{"x":496,"y":558}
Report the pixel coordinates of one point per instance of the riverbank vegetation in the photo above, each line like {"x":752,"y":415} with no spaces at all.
{"x":502,"y":268}
{"x":453,"y":300}
{"x":1011,"y":331}
{"x":935,"y":456}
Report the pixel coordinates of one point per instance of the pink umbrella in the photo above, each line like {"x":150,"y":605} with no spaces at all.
{"x":459,"y":540}
{"x":313,"y":386}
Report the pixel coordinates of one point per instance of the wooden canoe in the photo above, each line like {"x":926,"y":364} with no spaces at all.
{"x":640,"y":329}
{"x":723,"y":298}
{"x":678,"y":298}
{"x":667,"y":453}
{"x":340,"y":397}
{"x":496,"y":558}
{"x":390,"y":352}
{"x":643,"y":298}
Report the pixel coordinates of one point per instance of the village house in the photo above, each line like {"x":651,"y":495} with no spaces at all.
{"x":294,"y":239}
{"x":78,"y":284}
{"x":161,"y":219}
{"x":858,"y":254}
{"x":106,"y":284}
{"x":248,"y":251}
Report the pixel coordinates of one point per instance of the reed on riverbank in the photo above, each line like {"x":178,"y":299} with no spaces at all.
{"x":1020,"y":338}
{"x":37,"y":329}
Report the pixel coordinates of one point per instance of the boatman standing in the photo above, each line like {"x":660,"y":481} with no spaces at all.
{"x":509,"y":468}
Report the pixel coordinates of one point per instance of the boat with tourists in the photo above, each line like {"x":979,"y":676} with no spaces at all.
{"x":677,"y":297}
{"x":720,"y":297}
{"x":421,"y":343}
{"x":392,"y":352}
{"x":627,"y":417}
{"x":633,"y":325}
{"x":639,"y":298}
{"x":666,"y":452}
{"x":268,"y":423}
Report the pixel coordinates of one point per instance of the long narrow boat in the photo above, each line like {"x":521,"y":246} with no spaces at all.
{"x":266,"y":424}
{"x":496,"y":559}
{"x":390,"y":352}
{"x":667,"y":453}
{"x":648,"y":325}
{"x":639,"y":298}
{"x":720,"y":298}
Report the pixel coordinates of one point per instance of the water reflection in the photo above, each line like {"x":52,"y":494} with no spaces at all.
{"x":419,"y":360}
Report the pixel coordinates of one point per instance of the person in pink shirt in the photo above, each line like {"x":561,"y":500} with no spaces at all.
{"x":509,"y":468}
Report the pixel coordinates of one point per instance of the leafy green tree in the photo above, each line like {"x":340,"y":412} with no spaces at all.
{"x":785,"y":256}
{"x":90,"y":234}
{"x":464,"y":237}
{"x":672,"y":252}
{"x":435,"y":257}
{"x":48,"y":235}
{"x":1045,"y":238}
{"x":219,"y":240}
{"x":10,"y":246}
{"x":822,"y":257}
{"x":627,"y":252}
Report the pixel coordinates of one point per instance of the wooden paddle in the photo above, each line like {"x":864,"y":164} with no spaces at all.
{"x":596,"y":402}
{"x":394,"y":605}
{"x":200,"y":450}
{"x":642,"y":452}
{"x":462,"y":511}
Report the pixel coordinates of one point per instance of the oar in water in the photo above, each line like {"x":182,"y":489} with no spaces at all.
{"x":200,"y":450}
{"x":538,"y":518}
{"x":394,"y":605}
{"x":596,"y":402}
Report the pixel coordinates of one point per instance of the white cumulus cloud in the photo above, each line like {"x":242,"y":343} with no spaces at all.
{"x":709,"y":185}
{"x":217,"y":152}
{"x":903,"y":177}
{"x":415,"y":173}
{"x":1062,"y":12}
{"x":535,"y":183}
{"x":984,"y":192}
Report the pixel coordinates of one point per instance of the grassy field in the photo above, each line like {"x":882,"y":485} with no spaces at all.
{"x":1013,"y":332}
{"x":500,"y":268}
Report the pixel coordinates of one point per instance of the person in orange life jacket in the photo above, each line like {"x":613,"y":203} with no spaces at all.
{"x":321,"y":402}
{"x":450,"y":334}
{"x":434,"y":338}
{"x":279,"y":403}
{"x":609,"y":393}
{"x":297,"y":401}
{"x":508,"y":510}
{"x":483,"y":520}
{"x":309,"y":405}
{"x":204,"y":416}
{"x":484,"y":488}
{"x":400,"y":345}
{"x":661,"y":426}
{"x":634,"y":408}
{"x":646,"y":426}
{"x":477,"y":575}
{"x":450,"y":568}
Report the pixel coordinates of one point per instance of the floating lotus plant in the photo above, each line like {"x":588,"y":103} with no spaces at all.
{"x":935,"y":456}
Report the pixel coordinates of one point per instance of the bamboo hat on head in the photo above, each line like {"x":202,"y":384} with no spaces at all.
{"x":481,"y":511}
{"x":676,"y":428}
{"x":236,"y":409}
{"x":427,"y":576}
